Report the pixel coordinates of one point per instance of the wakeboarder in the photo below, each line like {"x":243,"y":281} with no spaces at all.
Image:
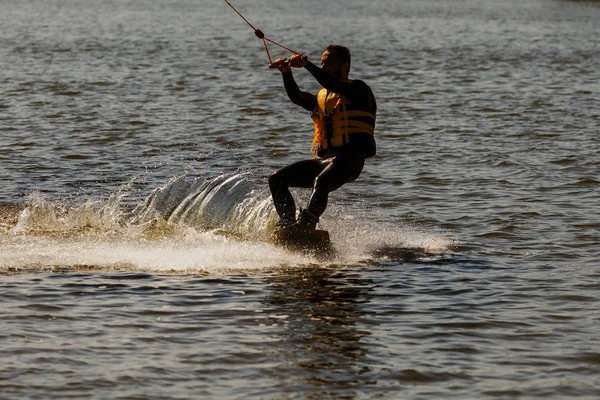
{"x":343,"y":114}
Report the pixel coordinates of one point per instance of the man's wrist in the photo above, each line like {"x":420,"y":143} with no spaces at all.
{"x":309,"y":64}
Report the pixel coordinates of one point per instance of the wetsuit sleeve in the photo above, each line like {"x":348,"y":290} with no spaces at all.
{"x":357,"y":92}
{"x":305,"y":100}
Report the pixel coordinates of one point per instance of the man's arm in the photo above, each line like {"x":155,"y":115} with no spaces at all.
{"x":305,"y":100}
{"x":357,"y":92}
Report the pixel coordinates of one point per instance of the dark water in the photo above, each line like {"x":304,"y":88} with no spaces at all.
{"x":135,"y":142}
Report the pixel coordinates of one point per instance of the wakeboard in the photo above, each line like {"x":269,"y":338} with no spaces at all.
{"x":313,"y":241}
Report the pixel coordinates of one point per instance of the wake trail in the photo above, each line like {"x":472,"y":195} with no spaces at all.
{"x":191,"y":225}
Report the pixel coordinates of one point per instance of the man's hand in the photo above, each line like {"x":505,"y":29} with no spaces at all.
{"x":282,"y":64}
{"x":297,"y":61}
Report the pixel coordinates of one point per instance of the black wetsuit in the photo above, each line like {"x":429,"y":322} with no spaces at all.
{"x":337,"y":166}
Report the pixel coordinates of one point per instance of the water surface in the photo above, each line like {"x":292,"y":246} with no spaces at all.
{"x":135,"y":142}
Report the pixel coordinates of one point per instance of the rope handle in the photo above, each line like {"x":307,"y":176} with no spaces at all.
{"x":259,"y":34}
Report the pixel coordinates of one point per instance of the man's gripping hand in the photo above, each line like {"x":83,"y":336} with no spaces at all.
{"x":281,"y":64}
{"x":297,"y":60}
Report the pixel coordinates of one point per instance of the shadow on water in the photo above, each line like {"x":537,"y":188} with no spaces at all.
{"x":323,"y":342}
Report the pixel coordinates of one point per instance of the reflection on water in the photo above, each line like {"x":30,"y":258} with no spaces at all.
{"x":323,"y":343}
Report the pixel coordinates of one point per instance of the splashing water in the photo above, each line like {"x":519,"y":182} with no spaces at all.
{"x":189,"y":225}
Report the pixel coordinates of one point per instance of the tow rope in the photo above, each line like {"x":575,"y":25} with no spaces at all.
{"x":259,"y":34}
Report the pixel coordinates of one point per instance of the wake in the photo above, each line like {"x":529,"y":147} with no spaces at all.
{"x":193,"y":226}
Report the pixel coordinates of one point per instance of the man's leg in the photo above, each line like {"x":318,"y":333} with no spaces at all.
{"x":345,"y":167}
{"x":299,"y":174}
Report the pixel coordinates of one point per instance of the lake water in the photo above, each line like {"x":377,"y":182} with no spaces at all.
{"x":136,"y":138}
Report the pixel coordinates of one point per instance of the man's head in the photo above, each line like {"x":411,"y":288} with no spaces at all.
{"x":336,"y":61}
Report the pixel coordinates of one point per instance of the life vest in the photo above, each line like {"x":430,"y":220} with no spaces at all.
{"x":338,"y":123}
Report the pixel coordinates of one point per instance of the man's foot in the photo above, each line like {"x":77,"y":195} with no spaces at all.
{"x":307,"y":221}
{"x":286,"y":223}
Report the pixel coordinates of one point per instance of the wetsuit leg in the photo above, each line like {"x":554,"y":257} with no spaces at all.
{"x":299,"y":174}
{"x":343,"y":168}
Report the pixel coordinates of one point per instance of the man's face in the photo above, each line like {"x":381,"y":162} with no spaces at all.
{"x":331,"y":64}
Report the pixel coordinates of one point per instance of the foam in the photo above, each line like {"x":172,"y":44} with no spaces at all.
{"x":191,"y":225}
{"x":208,"y":253}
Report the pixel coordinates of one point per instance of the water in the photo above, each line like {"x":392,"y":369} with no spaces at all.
{"x":136,"y":138}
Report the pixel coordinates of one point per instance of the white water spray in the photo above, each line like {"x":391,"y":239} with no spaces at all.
{"x":187,"y":226}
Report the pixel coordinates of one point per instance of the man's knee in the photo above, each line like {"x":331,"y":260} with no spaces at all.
{"x":328,"y":182}
{"x":275,"y":180}
{"x":320,"y":182}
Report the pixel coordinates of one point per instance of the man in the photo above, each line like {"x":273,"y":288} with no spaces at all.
{"x":343,"y":114}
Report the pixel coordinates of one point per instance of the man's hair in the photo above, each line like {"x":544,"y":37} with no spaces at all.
{"x":342,"y":52}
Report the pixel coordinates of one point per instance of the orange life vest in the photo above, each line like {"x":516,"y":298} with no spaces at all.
{"x":338,"y":123}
